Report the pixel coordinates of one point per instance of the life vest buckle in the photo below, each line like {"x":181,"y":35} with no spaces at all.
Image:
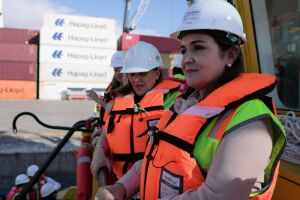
{"x":135,"y":108}
{"x":153,"y":137}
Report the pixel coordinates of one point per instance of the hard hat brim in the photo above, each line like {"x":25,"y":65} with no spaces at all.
{"x":133,"y":70}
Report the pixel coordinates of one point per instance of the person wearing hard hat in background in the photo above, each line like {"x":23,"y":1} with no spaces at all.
{"x":177,"y":69}
{"x":20,"y":182}
{"x":136,"y":108}
{"x":49,"y":191}
{"x":32,"y":170}
{"x":223,"y":140}
{"x":117,"y":62}
{"x":177,"y":74}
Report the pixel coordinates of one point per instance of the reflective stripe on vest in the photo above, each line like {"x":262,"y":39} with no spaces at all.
{"x":170,"y":178}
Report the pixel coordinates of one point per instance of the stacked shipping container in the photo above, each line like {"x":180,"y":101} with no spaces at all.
{"x":75,"y":53}
{"x":18,"y":63}
{"x":1,"y":14}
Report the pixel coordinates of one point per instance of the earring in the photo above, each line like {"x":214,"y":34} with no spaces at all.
{"x":229,"y":65}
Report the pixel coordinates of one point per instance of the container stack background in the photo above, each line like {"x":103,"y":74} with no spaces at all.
{"x":18,"y":63}
{"x":67,"y":56}
{"x":75,"y":54}
{"x":1,"y":14}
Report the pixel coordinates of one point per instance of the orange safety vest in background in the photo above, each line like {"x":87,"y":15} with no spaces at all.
{"x":169,"y":167}
{"x":128,"y":124}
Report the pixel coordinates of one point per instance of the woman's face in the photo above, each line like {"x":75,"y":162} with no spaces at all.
{"x":118,"y":75}
{"x":203,"y":61}
{"x":144,"y":81}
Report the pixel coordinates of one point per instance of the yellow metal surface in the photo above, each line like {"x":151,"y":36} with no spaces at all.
{"x":249,"y":50}
{"x":288,"y":183}
{"x":69,"y":194}
{"x":95,"y":187}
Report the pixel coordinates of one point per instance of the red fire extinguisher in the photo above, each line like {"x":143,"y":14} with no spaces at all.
{"x":84,"y":177}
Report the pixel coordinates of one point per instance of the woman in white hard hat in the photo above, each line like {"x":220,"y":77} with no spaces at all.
{"x":48,"y":192}
{"x":177,"y":69}
{"x":137,"y":107}
{"x":222,"y":141}
{"x":117,"y":62}
{"x":20,"y":182}
{"x":31,"y":171}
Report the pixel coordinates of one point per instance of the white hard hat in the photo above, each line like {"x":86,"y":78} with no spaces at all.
{"x":177,"y":61}
{"x":21,"y":179}
{"x":47,"y":189}
{"x":32,"y":169}
{"x":117,"y":60}
{"x":212,"y":15}
{"x":142,"y":57}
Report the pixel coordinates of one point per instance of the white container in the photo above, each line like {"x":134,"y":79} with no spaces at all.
{"x":1,"y":14}
{"x":61,"y":90}
{"x":73,"y":37}
{"x":76,"y":55}
{"x":80,"y":22}
{"x":76,"y":73}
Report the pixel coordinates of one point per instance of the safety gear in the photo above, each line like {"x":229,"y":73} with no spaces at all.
{"x":142,"y":57}
{"x":47,"y":189}
{"x":128,"y":124}
{"x":14,"y":191}
{"x":213,"y":15}
{"x":117,"y":60}
{"x":195,"y":151}
{"x":21,"y":179}
{"x":31,"y":170}
{"x":83,"y":173}
{"x":177,"y":61}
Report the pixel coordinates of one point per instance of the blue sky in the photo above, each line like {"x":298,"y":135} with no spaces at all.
{"x":161,"y":17}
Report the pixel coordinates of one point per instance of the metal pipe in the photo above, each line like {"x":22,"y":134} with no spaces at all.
{"x":14,"y":124}
{"x":126,"y":14}
{"x":49,"y":160}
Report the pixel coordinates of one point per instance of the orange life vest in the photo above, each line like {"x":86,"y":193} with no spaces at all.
{"x":169,"y":167}
{"x":129,"y":122}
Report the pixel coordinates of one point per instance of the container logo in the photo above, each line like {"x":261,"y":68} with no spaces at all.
{"x":57,"y":72}
{"x":59,"y":22}
{"x":57,"y":36}
{"x":57,"y":54}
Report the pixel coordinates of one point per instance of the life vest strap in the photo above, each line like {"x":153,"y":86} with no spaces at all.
{"x":128,"y":157}
{"x":133,"y":111}
{"x":181,"y":144}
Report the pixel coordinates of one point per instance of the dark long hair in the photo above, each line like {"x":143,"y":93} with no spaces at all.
{"x":224,"y":44}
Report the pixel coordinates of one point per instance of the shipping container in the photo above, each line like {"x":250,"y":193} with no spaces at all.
{"x":61,"y":90}
{"x":18,"y":52}
{"x":79,"y":22}
{"x":20,"y":36}
{"x":1,"y":14}
{"x":17,"y":89}
{"x":18,"y":71}
{"x":75,"y":73}
{"x":163,"y":44}
{"x":73,"y":37}
{"x":75,"y":55}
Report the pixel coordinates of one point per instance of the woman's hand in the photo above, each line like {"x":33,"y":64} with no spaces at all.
{"x":112,"y":192}
{"x":101,"y":155}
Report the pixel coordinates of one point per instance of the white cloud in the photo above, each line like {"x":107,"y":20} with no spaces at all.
{"x":29,"y":14}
